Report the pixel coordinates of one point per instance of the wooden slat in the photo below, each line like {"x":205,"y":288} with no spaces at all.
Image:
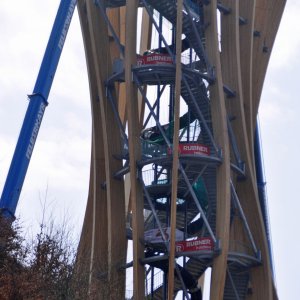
{"x":175,"y":162}
{"x":114,"y":188}
{"x":134,"y":150}
{"x":104,"y":126}
{"x":246,"y":190}
{"x":113,"y":15}
{"x":122,"y":89}
{"x":92,"y":250}
{"x":145,"y":44}
{"x":246,"y":10}
{"x":231,"y":62}
{"x":268,"y":14}
{"x":231,"y":71}
{"x":221,"y":137}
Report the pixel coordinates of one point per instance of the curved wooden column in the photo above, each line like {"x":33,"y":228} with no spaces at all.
{"x":108,"y":253}
{"x":246,"y":35}
{"x":122,"y":89}
{"x":231,"y":70}
{"x":92,"y":251}
{"x":145,"y":43}
{"x":261,"y":279}
{"x":218,"y":112}
{"x":267,"y":18}
{"x":136,"y":194}
{"x":175,"y":152}
{"x":268,"y":14}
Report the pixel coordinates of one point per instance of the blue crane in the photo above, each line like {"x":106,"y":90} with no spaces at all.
{"x":35,"y":111}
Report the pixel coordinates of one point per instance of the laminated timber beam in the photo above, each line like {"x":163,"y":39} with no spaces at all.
{"x":175,"y":162}
{"x":145,"y":43}
{"x":94,"y":232}
{"x":232,"y":77}
{"x":246,"y":36}
{"x":268,"y":14}
{"x":107,"y":222}
{"x":267,"y":18}
{"x":218,"y":112}
{"x":105,"y":218}
{"x":246,"y":189}
{"x":136,"y":194}
{"x":122,"y":89}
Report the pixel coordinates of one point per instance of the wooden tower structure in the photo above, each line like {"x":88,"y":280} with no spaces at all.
{"x":175,"y":87}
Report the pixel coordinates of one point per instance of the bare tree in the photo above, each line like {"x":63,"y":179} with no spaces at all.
{"x":40,"y":269}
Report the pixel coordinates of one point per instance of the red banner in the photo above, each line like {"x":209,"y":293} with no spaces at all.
{"x":199,"y":244}
{"x":192,"y":149}
{"x":154,"y":59}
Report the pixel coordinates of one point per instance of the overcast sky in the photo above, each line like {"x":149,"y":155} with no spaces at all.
{"x":60,"y":161}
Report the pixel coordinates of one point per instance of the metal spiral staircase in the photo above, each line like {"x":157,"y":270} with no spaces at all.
{"x":154,"y":168}
{"x":176,"y":161}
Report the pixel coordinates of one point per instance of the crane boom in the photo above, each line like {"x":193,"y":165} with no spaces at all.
{"x":36,"y":108}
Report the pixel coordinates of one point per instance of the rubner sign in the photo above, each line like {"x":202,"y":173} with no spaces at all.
{"x":199,"y":244}
{"x":154,"y":59}
{"x":191,"y":149}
